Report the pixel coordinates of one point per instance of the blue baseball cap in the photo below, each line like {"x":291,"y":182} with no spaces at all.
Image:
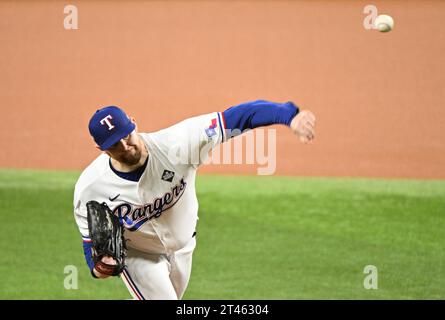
{"x":109,"y":125}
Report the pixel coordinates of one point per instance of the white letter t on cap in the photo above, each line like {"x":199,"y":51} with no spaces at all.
{"x":107,"y":121}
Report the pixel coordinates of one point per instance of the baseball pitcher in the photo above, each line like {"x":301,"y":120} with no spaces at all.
{"x":136,"y":205}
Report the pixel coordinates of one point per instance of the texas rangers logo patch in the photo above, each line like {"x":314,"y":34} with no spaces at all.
{"x":210,"y":131}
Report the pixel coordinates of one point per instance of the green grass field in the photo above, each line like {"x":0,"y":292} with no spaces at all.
{"x":258,"y":238}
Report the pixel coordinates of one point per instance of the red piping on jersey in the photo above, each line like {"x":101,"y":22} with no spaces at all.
{"x":132,"y":286}
{"x":223,"y":120}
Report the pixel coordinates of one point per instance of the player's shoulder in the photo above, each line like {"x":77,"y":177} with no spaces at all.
{"x":92,"y":173}
{"x":190,"y":130}
{"x":188,"y":125}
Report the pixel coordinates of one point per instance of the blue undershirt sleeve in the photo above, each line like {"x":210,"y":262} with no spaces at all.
{"x":259,"y":113}
{"x":89,"y":256}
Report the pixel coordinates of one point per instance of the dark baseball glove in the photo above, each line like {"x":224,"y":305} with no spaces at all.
{"x":107,"y":235}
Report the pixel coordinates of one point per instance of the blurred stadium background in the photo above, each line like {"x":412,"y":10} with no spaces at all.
{"x":369,"y":191}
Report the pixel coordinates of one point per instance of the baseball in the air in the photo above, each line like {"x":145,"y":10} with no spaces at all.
{"x":384,"y":23}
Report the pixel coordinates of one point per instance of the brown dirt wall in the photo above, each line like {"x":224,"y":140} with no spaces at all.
{"x":378,"y":97}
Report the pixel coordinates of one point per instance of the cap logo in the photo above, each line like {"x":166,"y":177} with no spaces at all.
{"x":106,"y":120}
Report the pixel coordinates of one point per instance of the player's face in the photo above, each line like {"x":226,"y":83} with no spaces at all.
{"x":128,"y":150}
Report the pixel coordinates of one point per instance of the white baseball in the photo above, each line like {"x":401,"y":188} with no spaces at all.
{"x":384,"y":23}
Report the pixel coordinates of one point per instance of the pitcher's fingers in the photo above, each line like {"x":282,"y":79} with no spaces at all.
{"x":307,"y":113}
{"x":311,"y":118}
{"x":311,"y":133}
{"x":311,"y":136}
{"x":309,"y":128}
{"x":310,"y":124}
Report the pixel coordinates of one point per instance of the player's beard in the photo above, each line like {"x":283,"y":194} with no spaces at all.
{"x":131,"y":158}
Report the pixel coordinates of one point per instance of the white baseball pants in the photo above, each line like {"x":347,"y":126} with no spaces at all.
{"x":158,"y":276}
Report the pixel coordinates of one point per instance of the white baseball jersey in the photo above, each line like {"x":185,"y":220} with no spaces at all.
{"x":160,"y":211}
